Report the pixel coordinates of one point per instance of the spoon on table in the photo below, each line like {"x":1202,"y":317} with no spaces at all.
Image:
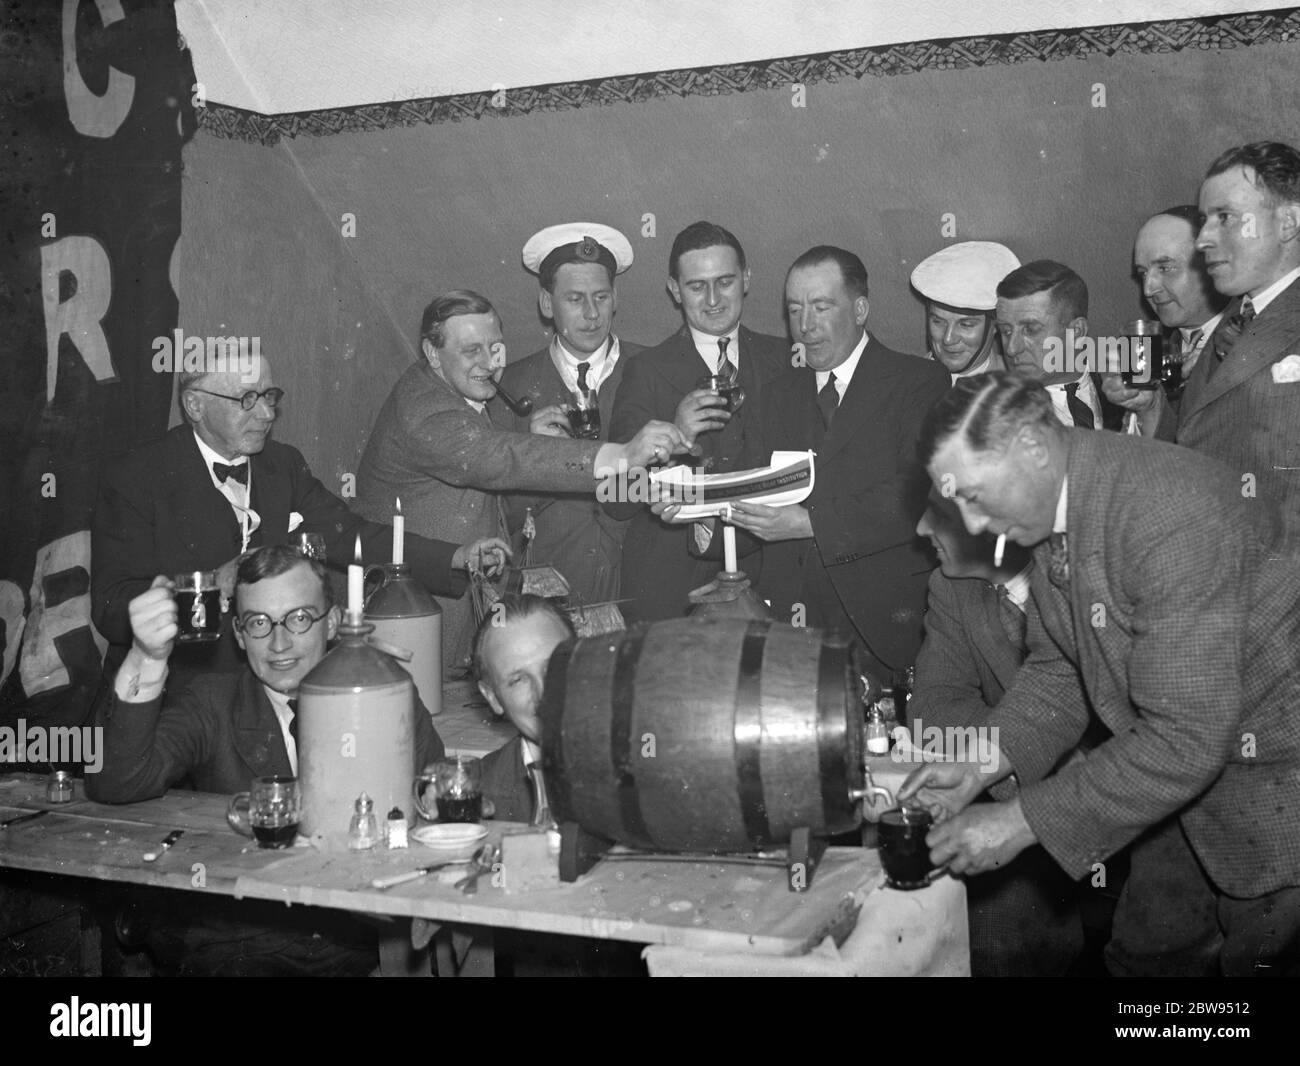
{"x":168,"y":841}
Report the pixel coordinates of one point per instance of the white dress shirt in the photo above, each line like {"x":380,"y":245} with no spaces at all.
{"x":707,"y":345}
{"x":599,"y":364}
{"x":1274,"y":291}
{"x":1087,"y":393}
{"x":238,"y":495}
{"x":844,"y":372}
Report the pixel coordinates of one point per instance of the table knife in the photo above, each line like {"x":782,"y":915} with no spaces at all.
{"x":413,"y":875}
{"x":22,"y":818}
{"x":168,"y":841}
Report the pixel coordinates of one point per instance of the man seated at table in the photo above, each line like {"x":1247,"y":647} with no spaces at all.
{"x":221,"y":731}
{"x":1024,"y":918}
{"x":511,"y":650}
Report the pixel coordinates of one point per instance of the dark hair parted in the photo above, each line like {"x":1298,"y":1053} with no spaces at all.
{"x":987,"y":410}
{"x":277,"y":559}
{"x":449,"y":305}
{"x":698,"y":236}
{"x":1276,"y":166}
{"x":512,"y":606}
{"x":851,"y":267}
{"x":1068,"y":292}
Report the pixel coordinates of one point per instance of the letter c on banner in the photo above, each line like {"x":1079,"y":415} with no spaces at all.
{"x":93,"y":115}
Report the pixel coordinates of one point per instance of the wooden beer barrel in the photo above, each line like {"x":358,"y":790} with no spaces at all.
{"x":703,"y":735}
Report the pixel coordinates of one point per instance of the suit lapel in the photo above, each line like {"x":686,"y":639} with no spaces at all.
{"x":204,"y":506}
{"x":686,"y":366}
{"x":1263,"y":340}
{"x":855,"y":407}
{"x":257,"y":735}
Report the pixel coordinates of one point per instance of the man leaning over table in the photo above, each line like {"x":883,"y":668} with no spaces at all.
{"x":1166,"y":610}
{"x":220,"y":731}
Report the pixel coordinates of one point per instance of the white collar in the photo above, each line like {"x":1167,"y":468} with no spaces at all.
{"x":601,"y":366}
{"x":707,"y":346}
{"x":844,"y":372}
{"x":1061,"y":504}
{"x":529,"y":752}
{"x":1018,"y":587}
{"x":211,"y":455}
{"x":1206,"y":328}
{"x":1273,"y":291}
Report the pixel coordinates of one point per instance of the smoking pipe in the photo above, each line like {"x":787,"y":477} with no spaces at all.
{"x":523,"y":407}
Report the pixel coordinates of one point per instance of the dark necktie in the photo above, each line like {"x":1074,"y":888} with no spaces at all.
{"x":1226,"y":336}
{"x":1079,"y":411}
{"x":582,"y":377}
{"x":726,"y":368}
{"x":239,"y":473}
{"x":1058,"y":571}
{"x":293,"y":722}
{"x":828,"y":399}
{"x":1015,"y":623}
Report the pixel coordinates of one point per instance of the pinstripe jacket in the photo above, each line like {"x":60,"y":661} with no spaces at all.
{"x":1243,"y":416}
{"x":1180,"y":629}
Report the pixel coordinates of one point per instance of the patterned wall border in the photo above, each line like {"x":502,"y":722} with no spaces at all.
{"x":1226,"y":31}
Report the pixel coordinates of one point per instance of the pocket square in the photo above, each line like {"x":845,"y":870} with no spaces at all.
{"x":1286,"y":370}
{"x":295,"y":520}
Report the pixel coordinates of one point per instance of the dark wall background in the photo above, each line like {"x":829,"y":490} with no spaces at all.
{"x":1016,"y":153}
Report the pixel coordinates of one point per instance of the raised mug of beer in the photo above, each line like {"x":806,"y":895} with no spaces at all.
{"x":269,"y":811}
{"x":457,"y":786}
{"x":198,"y":606}
{"x":726,"y":386}
{"x":1144,"y":367}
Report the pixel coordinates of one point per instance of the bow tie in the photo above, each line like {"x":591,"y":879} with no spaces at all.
{"x":239,"y":473}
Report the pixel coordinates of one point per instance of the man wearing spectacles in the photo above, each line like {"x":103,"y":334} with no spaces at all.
{"x":218,"y":486}
{"x":219,"y":732}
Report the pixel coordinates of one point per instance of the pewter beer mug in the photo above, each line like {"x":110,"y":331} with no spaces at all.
{"x":1143,"y":366}
{"x":198,"y":606}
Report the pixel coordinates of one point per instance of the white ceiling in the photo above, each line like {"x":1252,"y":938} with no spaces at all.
{"x":306,"y":55}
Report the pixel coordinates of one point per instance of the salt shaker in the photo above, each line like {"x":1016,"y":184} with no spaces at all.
{"x":363,"y":833}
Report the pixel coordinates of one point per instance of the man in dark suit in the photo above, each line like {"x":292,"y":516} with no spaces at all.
{"x":1242,"y":400}
{"x":849,"y":557}
{"x":708,"y":279}
{"x":1178,"y":290}
{"x":220,"y":731}
{"x":1042,"y":313}
{"x":1024,"y":918}
{"x":511,"y":651}
{"x":435,"y":446}
{"x":1165,"y":607}
{"x":216,"y":487}
{"x":576,"y":264}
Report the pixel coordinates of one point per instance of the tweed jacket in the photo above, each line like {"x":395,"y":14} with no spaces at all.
{"x":218,"y":732}
{"x":1180,"y":629}
{"x":1244,"y":416}
{"x":448,"y":463}
{"x":574,"y":534}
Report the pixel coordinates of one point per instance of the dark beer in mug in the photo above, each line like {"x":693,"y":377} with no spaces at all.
{"x":273,"y":834}
{"x":467,"y":808}
{"x":900,"y":836}
{"x":584,"y":422}
{"x":198,"y":607}
{"x":1146,"y":364}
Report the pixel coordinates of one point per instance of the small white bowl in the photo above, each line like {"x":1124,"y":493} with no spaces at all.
{"x":452,"y":841}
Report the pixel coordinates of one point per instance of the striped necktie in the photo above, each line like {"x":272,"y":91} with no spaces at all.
{"x":293,"y":722}
{"x":1229,"y":332}
{"x":726,"y":368}
{"x":1058,"y":570}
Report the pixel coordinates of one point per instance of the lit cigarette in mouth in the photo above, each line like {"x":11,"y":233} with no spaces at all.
{"x":999,"y":549}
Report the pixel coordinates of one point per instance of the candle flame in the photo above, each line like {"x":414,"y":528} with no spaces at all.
{"x":356,"y":555}
{"x":399,"y":505}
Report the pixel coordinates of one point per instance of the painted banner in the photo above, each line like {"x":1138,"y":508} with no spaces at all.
{"x":96,"y":106}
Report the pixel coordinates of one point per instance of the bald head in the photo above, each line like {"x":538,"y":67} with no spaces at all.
{"x":1172,"y":272}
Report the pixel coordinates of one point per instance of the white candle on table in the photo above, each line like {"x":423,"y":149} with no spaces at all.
{"x":999,"y":549}
{"x":399,"y":532}
{"x":729,"y":548}
{"x":356,"y":581}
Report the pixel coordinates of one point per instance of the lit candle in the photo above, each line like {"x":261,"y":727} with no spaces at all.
{"x":399,"y":532}
{"x":729,"y":548}
{"x":998,"y":549}
{"x":356,"y":580}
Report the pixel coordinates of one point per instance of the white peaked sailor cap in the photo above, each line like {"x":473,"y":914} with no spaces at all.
{"x":577,"y":242}
{"x":965,"y":275}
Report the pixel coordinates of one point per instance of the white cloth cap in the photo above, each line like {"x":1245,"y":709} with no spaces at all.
{"x":582,"y":241}
{"x":965,"y":275}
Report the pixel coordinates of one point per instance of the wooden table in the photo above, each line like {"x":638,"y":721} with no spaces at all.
{"x":707,"y":906}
